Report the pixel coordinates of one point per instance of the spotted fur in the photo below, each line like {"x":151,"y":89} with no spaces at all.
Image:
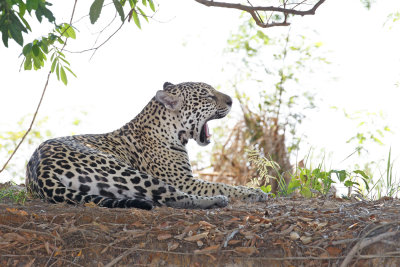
{"x":144,"y":163}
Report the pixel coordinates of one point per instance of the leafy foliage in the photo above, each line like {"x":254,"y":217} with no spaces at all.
{"x":392,"y":18}
{"x":262,"y":164}
{"x":13,"y":18}
{"x":367,"y":3}
{"x":274,"y":67}
{"x":388,"y":183}
{"x":307,"y":181}
{"x":135,"y":10}
{"x":36,"y":52}
{"x":13,"y":22}
{"x":371,"y":129}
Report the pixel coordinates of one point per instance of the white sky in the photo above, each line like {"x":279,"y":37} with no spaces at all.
{"x":186,"y":44}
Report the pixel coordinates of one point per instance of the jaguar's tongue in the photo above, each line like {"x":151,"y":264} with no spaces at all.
{"x":207,"y":131}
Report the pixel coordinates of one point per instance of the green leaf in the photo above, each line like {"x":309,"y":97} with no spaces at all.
{"x":60,"y":41}
{"x":35,"y":50}
{"x":266,"y":189}
{"x":37,"y":63}
{"x":42,"y":10}
{"x":22,"y":9}
{"x":47,"y":13}
{"x":39,"y":15}
{"x":27,"y":49}
{"x":66,"y":62}
{"x":25,"y":22}
{"x":132,"y":3}
{"x":63,"y":76}
{"x":349,"y":183}
{"x":2,"y":20}
{"x":58,"y":71}
{"x":53,"y":65}
{"x":4,"y":35}
{"x":52,"y":56}
{"x":119,"y":9}
{"x":95,"y":10}
{"x":15,"y":20}
{"x":362,"y":173}
{"x":136,"y":18}
{"x":365,"y":177}
{"x":340,"y":174}
{"x":44,"y":46}
{"x":61,"y":54}
{"x":151,"y":3}
{"x":28,"y":62}
{"x":70,"y":71}
{"x":71,"y":32}
{"x":32,"y":5}
{"x":143,"y":14}
{"x":16,"y":34}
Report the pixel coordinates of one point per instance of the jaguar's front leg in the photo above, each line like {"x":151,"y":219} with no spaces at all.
{"x":204,"y":188}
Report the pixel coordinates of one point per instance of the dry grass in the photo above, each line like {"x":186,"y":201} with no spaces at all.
{"x":231,"y":163}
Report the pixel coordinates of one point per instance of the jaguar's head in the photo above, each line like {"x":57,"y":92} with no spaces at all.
{"x":195,"y":104}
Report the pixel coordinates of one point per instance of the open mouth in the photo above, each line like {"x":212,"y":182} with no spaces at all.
{"x":205,"y":134}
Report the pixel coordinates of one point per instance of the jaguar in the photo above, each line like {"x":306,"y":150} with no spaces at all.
{"x":144,"y":163}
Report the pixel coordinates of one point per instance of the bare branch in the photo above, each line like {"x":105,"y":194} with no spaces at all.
{"x":252,"y":10}
{"x":95,"y":48}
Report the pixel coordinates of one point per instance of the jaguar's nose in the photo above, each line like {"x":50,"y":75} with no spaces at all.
{"x":229,"y":101}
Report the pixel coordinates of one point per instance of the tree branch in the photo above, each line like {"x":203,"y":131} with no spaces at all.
{"x":39,"y":104}
{"x":252,"y":10}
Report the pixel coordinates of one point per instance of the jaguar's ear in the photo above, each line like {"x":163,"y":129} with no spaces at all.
{"x":172,"y":102}
{"x":166,"y":84}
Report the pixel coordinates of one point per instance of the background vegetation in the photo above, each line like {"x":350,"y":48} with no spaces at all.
{"x":262,"y":143}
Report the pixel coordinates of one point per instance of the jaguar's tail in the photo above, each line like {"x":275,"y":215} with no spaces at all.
{"x":139,"y":203}
{"x":74,"y":197}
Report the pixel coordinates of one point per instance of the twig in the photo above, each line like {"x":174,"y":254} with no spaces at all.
{"x":94,"y":49}
{"x":120,"y":257}
{"x":364,"y":243}
{"x":344,"y":241}
{"x":232,"y":235}
{"x":38,"y":106}
{"x":51,"y":256}
{"x":108,"y":25}
{"x":30,"y":126}
{"x":253,"y":11}
{"x":28,"y":231}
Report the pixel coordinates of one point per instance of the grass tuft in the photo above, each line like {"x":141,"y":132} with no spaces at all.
{"x":13,"y":192}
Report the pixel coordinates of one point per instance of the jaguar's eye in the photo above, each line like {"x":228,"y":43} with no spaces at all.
{"x":213,"y":97}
